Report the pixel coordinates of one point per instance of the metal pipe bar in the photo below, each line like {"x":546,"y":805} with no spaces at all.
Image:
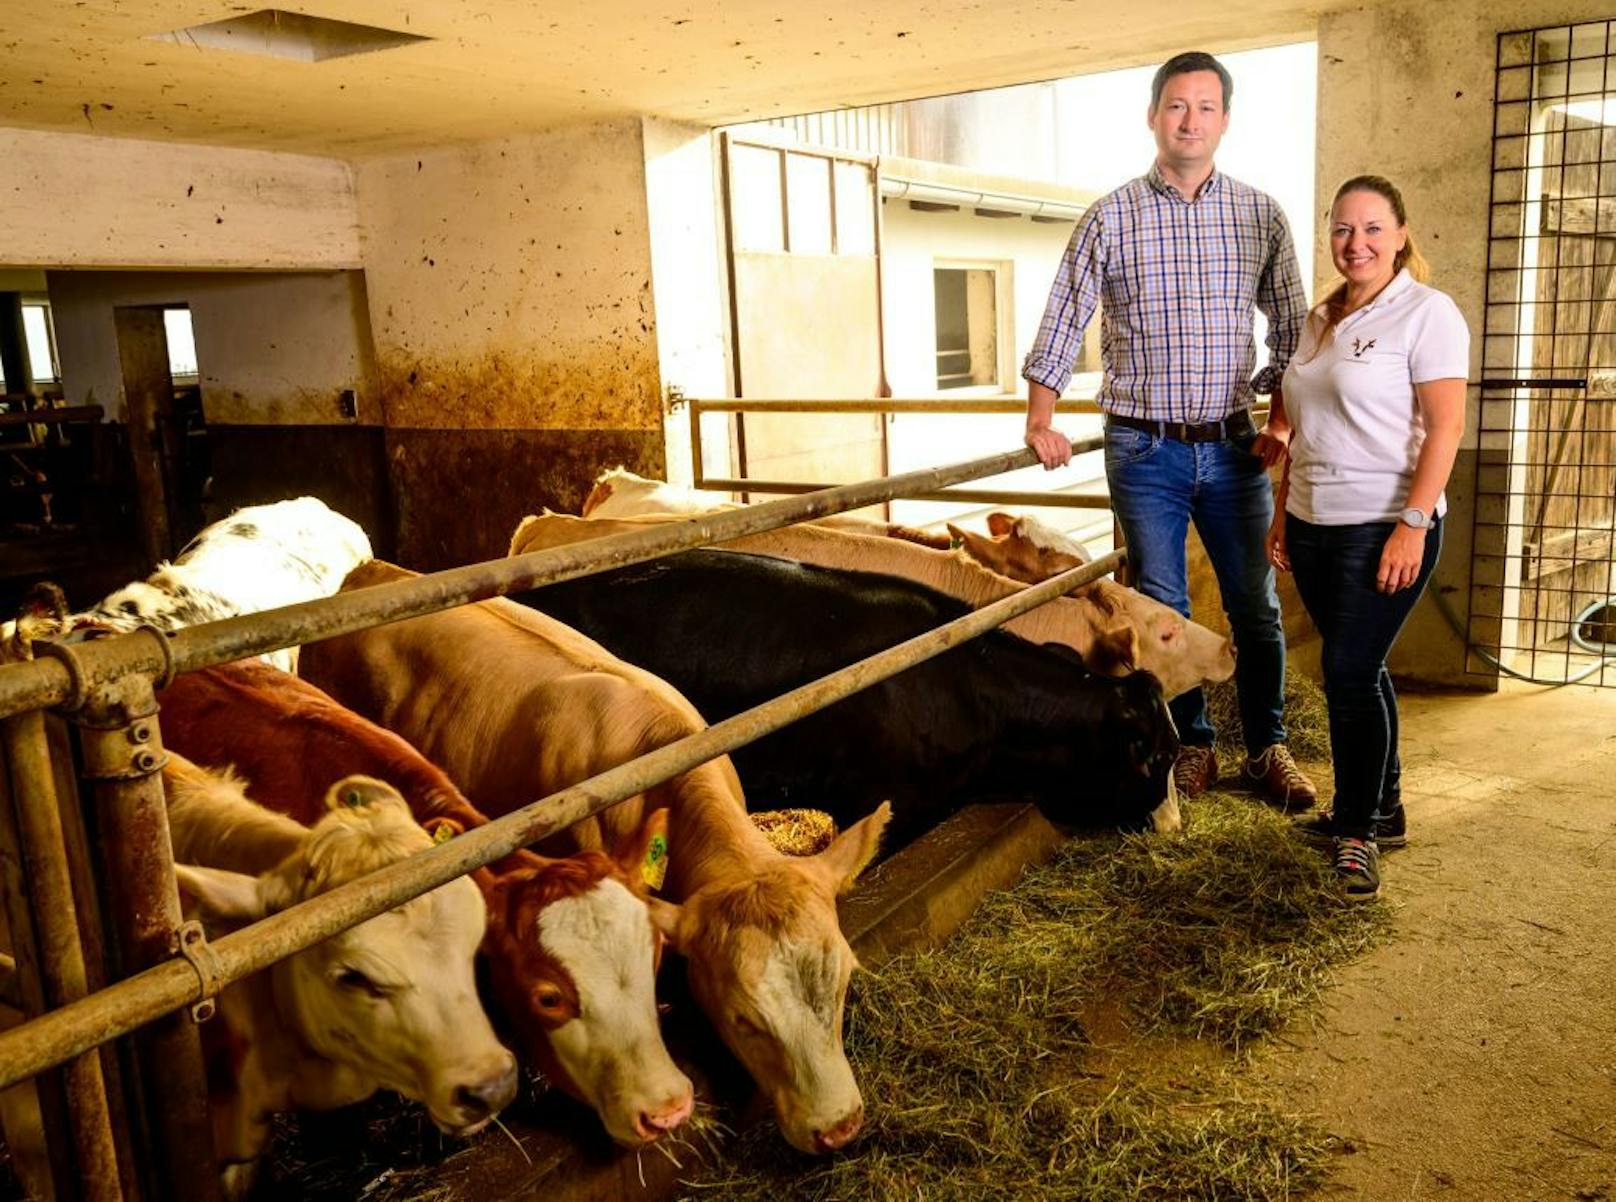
{"x":123,"y":750}
{"x":945,"y":406}
{"x":983,"y":496}
{"x":10,"y":983}
{"x":122,"y":1007}
{"x":61,"y":955}
{"x":49,"y":681}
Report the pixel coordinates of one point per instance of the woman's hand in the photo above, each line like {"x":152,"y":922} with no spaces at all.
{"x":1401,"y":559}
{"x":1274,"y":543}
{"x":1054,"y":448}
{"x":1273,"y":443}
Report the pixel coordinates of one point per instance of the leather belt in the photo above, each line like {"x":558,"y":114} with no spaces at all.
{"x":1236,"y":425}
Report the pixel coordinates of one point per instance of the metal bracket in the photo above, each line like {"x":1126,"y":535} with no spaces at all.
{"x":77,"y":692}
{"x":191,"y":942}
{"x":673,"y":398}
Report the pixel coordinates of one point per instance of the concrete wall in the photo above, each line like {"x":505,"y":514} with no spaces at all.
{"x":511,"y":305}
{"x":83,"y":201}
{"x":1406,"y":91}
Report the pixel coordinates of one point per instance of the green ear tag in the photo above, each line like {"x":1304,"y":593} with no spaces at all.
{"x":655,"y":869}
{"x":955,"y":542}
{"x":442,"y":833}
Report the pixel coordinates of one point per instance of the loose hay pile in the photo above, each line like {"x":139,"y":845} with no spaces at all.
{"x":1307,"y":721}
{"x":979,"y":1073}
{"x":796,"y":832}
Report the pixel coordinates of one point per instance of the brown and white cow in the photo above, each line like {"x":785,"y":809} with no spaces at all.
{"x":1021,"y":548}
{"x":1115,"y":629}
{"x":390,"y":1004}
{"x":571,"y":949}
{"x":515,"y":706}
{"x":260,"y":557}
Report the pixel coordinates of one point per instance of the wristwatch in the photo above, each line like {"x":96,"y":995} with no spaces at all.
{"x":1416,"y":518}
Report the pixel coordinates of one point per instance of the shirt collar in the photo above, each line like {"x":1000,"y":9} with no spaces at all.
{"x":1154,"y":178}
{"x":1400,"y":283}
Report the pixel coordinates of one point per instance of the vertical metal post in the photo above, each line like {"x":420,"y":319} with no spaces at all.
{"x":122,"y":749}
{"x":61,"y":955}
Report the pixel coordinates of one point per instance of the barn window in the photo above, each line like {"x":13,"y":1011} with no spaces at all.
{"x":41,"y":339}
{"x":181,"y":343}
{"x":968,"y":320}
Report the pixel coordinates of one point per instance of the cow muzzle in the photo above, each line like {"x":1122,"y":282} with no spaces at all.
{"x":838,"y":1136}
{"x":474,"y":1104}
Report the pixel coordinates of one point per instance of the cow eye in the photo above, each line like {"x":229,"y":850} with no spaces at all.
{"x":746,"y":1026}
{"x":549,"y":998}
{"x":352,"y":978}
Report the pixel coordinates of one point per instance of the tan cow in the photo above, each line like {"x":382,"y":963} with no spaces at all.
{"x":514,"y":706}
{"x":389,"y":1004}
{"x":1115,"y":629}
{"x":619,"y":494}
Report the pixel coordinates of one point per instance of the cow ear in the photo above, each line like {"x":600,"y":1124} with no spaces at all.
{"x":665,"y":917}
{"x":643,"y":855}
{"x":1000,"y":524}
{"x":225,"y":896}
{"x":1115,"y":651}
{"x":985,"y":551}
{"x":851,"y":851}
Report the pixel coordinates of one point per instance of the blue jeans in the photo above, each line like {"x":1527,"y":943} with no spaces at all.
{"x":1158,"y":485}
{"x":1335,"y":569}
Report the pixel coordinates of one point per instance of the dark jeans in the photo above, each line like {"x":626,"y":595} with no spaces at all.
{"x":1158,"y":486}
{"x":1335,"y":569}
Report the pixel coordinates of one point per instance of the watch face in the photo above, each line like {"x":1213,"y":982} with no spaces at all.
{"x":1416,"y":518}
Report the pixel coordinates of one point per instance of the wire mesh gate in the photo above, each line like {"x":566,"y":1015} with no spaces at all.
{"x":1542,"y":592}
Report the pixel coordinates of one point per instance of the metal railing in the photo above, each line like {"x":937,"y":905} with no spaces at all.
{"x":106,"y":686}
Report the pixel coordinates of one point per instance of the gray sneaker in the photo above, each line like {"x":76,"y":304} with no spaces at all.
{"x":1390,"y":829}
{"x":1357,"y":867}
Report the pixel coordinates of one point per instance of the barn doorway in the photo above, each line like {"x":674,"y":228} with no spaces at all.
{"x":1543,"y":590}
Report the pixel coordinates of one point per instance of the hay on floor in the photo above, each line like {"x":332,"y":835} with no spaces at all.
{"x":977,"y":1069}
{"x":1307,"y":721}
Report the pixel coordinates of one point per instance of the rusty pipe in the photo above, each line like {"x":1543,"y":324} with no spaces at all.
{"x":71,"y":674}
{"x":10,"y":984}
{"x":971,"y":496}
{"x":123,"y":751}
{"x":126,"y":1005}
{"x":59,"y":950}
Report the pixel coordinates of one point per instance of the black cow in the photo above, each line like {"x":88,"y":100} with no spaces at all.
{"x":997,"y":718}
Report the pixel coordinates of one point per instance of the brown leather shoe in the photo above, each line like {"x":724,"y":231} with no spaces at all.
{"x":1275,"y":776}
{"x":1195,"y":771}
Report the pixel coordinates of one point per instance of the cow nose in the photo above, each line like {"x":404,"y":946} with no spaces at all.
{"x":651,"y":1123}
{"x":490,"y":1095}
{"x":841,"y":1134}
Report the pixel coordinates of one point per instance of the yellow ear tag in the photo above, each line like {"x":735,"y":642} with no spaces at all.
{"x":442,"y":833}
{"x":655,"y":869}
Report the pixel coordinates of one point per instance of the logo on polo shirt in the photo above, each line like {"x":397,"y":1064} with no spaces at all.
{"x":1360,"y":347}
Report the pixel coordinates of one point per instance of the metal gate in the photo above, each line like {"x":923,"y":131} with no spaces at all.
{"x":1542,"y":592}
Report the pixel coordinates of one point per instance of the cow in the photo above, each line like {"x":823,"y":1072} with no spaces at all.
{"x":619,"y":494}
{"x":570,"y":950}
{"x":261,"y":557}
{"x":390,"y":1004}
{"x":996,"y":717}
{"x":514,"y":705}
{"x":1021,"y":548}
{"x":1114,"y":629}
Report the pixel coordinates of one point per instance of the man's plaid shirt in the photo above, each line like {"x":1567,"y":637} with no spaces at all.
{"x":1177,"y":280}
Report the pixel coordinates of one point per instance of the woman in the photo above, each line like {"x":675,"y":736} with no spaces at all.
{"x":1371,"y":416}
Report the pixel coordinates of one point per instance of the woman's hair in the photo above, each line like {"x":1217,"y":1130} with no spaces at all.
{"x":1333,"y":307}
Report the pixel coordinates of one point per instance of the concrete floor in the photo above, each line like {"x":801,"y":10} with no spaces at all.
{"x":1473,"y":1055}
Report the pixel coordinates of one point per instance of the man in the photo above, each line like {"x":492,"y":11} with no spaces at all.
{"x":1179,"y":258}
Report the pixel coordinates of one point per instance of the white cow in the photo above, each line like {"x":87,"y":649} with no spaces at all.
{"x":390,"y":1004}
{"x":260,"y":557}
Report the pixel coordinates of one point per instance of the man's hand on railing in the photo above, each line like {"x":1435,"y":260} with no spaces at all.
{"x":1054,"y":448}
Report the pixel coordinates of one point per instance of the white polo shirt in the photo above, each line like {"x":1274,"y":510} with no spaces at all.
{"x":1355,"y":419}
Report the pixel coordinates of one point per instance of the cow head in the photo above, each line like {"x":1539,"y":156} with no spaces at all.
{"x":394,"y":999}
{"x":1022,"y":548}
{"x":1140,"y":633}
{"x":572,"y":958}
{"x":1138,"y":727}
{"x":769,"y":965}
